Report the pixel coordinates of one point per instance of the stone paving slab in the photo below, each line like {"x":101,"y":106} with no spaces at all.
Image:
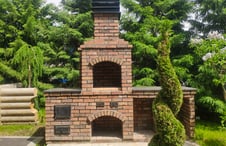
{"x":102,"y":144}
{"x":187,"y":143}
{"x":32,"y":141}
{"x":19,"y":141}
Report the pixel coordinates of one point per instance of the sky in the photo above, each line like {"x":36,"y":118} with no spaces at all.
{"x":56,"y":2}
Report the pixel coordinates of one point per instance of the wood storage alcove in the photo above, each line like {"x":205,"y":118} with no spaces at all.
{"x":107,"y":126}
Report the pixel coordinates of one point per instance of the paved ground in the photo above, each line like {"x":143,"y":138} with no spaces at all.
{"x":32,"y":141}
{"x":19,"y":141}
{"x":113,"y":144}
{"x":102,"y":144}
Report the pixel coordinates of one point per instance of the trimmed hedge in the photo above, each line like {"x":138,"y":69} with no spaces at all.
{"x":170,"y":131}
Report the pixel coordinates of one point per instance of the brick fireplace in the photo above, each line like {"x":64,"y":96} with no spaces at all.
{"x":106,"y":104}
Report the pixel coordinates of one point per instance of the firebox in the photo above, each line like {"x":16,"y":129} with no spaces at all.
{"x":106,"y":74}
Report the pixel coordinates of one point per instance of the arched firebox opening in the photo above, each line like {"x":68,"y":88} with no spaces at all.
{"x":107,"y":126}
{"x":106,"y":74}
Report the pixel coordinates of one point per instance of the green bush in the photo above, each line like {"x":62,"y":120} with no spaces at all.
{"x":213,"y":106}
{"x":170,"y":131}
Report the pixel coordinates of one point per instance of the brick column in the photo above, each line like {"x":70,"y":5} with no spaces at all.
{"x":187,"y":113}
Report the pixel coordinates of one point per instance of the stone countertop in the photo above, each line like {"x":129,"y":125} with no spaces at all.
{"x":157,"y":88}
{"x":65,"y":90}
{"x":134,"y":89}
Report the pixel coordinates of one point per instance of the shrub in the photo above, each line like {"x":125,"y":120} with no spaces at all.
{"x":213,"y":106}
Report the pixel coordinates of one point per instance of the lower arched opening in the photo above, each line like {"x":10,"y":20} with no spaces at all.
{"x":106,"y":127}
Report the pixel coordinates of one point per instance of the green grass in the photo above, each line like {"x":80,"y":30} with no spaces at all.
{"x":21,"y":130}
{"x":210,"y":134}
{"x":25,"y":129}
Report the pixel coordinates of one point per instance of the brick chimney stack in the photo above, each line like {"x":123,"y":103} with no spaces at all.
{"x":106,"y":26}
{"x":106,"y":18}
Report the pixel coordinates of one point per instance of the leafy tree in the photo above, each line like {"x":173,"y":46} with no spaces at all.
{"x":210,"y":56}
{"x":55,"y":32}
{"x":29,"y":61}
{"x":67,"y":29}
{"x":78,"y":6}
{"x":19,"y":26}
{"x":210,"y":79}
{"x":208,"y":25}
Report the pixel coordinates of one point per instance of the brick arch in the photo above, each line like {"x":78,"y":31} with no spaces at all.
{"x":106,"y":113}
{"x":106,"y":58}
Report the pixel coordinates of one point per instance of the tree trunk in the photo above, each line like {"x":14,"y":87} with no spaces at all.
{"x":29,"y":76}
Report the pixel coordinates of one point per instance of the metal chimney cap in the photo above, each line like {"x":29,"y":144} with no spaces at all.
{"x":106,"y":6}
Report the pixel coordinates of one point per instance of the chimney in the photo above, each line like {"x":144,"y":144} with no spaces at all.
{"x":106,"y":60}
{"x":106,"y":15}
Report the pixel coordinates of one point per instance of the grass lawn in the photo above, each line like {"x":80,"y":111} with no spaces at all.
{"x":25,"y":129}
{"x":22,"y":130}
{"x":210,"y":134}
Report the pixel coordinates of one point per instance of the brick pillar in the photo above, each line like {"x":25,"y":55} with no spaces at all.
{"x":187,"y":113}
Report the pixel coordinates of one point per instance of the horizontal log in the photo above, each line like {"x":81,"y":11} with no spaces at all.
{"x":18,"y":91}
{"x":18,"y":112}
{"x":16,"y":98}
{"x":15,"y":105}
{"x":18,"y":119}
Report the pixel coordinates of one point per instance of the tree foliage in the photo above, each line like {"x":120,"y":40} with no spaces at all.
{"x":29,"y":62}
{"x":211,"y":58}
{"x":211,"y":75}
{"x":30,"y":29}
{"x":140,"y":28}
{"x":209,"y":16}
{"x":19,"y":32}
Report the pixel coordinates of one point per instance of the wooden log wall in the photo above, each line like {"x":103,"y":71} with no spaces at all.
{"x":16,"y":105}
